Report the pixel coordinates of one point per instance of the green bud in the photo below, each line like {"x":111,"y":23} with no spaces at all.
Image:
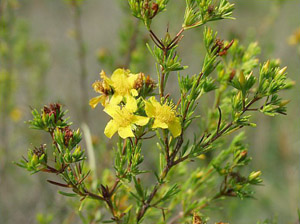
{"x":239,"y":186}
{"x":167,"y":39}
{"x":44,"y":116}
{"x":77,"y":153}
{"x":241,"y":156}
{"x":237,"y":99}
{"x":221,"y":74}
{"x":284,"y":103}
{"x":282,"y":71}
{"x":34,"y":160}
{"x":266,"y":66}
{"x":289,"y":84}
{"x":253,"y":175}
{"x":242,"y":79}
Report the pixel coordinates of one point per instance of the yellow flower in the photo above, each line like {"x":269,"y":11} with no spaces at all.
{"x":164,"y":116}
{"x":16,"y":114}
{"x":123,"y":84}
{"x":295,"y":38}
{"x":123,"y":120}
{"x":103,"y":88}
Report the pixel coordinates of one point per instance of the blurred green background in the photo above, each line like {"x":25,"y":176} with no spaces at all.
{"x":45,"y":68}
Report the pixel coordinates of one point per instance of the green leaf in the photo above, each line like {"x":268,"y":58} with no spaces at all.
{"x":67,"y":194}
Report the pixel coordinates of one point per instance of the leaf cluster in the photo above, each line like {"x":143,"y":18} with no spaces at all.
{"x":199,"y":12}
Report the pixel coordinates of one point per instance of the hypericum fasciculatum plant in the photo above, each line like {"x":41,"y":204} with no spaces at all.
{"x":141,"y":111}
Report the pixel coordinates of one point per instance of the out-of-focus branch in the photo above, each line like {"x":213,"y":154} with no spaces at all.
{"x":132,"y":44}
{"x":81,"y":58}
{"x":7,"y":87}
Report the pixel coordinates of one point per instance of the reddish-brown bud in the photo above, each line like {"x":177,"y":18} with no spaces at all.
{"x":150,"y":82}
{"x":211,"y":9}
{"x":244,"y":154}
{"x":53,"y":108}
{"x":139,"y":82}
{"x":68,"y":133}
{"x":154,"y":9}
{"x":39,"y":151}
{"x":232,"y":74}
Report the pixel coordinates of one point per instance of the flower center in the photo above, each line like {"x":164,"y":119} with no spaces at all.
{"x":124,"y":118}
{"x":165,"y":113}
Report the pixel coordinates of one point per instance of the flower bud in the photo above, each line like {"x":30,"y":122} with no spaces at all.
{"x":102,"y":54}
{"x":77,"y":151}
{"x":241,"y":156}
{"x":266,"y":66}
{"x":34,"y":160}
{"x":232,"y":74}
{"x":139,"y":82}
{"x":282,"y":71}
{"x":244,"y":153}
{"x":150,"y":82}
{"x":284,"y":103}
{"x":253,"y":175}
{"x":221,"y":74}
{"x":242,"y":79}
{"x":167,"y":39}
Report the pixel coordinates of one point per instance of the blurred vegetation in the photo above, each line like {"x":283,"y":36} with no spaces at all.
{"x":52,"y":51}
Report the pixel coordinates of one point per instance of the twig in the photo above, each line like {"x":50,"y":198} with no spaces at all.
{"x":176,"y":37}
{"x":220,"y":119}
{"x":159,"y":43}
{"x":218,"y":134}
{"x":170,"y":163}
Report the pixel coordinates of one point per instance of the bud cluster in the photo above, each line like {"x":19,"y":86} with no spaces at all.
{"x":51,"y":117}
{"x":198,"y":13}
{"x":146,"y":10}
{"x":65,"y":142}
{"x":228,"y":165}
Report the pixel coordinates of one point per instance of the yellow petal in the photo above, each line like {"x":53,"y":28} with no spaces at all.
{"x":154,"y":102}
{"x":103,"y":74}
{"x":132,"y":78}
{"x":150,"y":109}
{"x":131,"y":104}
{"x":105,"y":78}
{"x":159,"y":124}
{"x":134,"y":92}
{"x":112,"y":110}
{"x":125,"y":132}
{"x":96,"y":86}
{"x":175,"y":127}
{"x":94,"y":101}
{"x":140,"y":120}
{"x":110,"y":128}
{"x":104,"y":100}
{"x":116,"y":99}
{"x":118,"y":74}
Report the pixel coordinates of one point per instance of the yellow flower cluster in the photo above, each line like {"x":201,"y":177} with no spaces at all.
{"x":122,"y":106}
